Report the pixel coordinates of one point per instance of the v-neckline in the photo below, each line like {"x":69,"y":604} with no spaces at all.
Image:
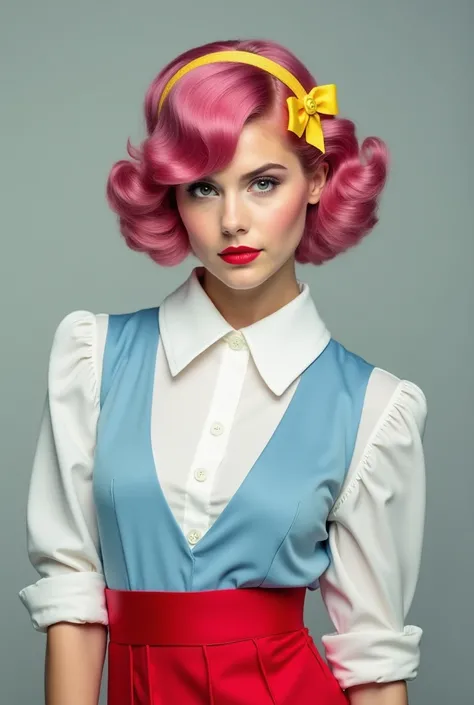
{"x":193,"y":553}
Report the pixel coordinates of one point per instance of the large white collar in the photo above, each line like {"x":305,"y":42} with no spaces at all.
{"x":282,"y":344}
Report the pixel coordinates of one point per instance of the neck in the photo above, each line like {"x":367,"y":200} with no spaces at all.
{"x":242,"y":307}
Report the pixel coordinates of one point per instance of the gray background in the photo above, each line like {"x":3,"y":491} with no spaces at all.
{"x":73,"y":77}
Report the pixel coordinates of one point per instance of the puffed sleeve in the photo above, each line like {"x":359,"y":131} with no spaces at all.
{"x":62,"y":534}
{"x":375,"y":538}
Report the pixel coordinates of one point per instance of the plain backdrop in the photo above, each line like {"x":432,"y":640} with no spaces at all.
{"x":73,"y":76}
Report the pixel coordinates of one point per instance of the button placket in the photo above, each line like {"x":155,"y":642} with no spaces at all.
{"x":213,"y":440}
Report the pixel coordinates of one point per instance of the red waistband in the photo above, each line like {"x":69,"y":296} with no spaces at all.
{"x":210,"y":616}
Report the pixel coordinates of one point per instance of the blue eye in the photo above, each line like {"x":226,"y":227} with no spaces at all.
{"x":266,"y":180}
{"x":201,"y":189}
{"x":193,"y":189}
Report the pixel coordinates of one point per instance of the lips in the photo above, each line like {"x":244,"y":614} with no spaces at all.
{"x":238,"y":250}
{"x":239,"y":256}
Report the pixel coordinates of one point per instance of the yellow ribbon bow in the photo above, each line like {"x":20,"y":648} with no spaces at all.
{"x":303,"y":113}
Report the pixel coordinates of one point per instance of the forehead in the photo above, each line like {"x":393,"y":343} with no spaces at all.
{"x":261,"y":141}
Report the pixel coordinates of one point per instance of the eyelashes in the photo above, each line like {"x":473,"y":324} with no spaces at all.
{"x":192,"y":188}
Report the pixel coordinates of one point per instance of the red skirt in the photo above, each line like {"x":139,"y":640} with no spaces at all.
{"x":218,"y":647}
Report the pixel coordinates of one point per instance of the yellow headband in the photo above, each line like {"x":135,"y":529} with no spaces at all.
{"x":302,"y":110}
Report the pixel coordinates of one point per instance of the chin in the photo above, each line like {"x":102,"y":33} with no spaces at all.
{"x":241,"y":277}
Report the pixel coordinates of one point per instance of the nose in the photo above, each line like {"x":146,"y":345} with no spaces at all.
{"x":234,"y":217}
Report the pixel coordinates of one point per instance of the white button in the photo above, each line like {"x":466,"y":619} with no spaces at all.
{"x":193,"y":536}
{"x":217,"y":428}
{"x":200,"y":475}
{"x":236,"y":341}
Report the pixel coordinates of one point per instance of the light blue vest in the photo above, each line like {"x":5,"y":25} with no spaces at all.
{"x":273,"y":531}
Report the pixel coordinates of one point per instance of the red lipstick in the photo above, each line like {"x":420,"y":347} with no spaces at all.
{"x":239,"y":255}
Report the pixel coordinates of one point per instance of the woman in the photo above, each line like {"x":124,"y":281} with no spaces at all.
{"x":224,"y":439}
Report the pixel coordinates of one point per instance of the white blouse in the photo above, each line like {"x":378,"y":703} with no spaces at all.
{"x":218,"y":396}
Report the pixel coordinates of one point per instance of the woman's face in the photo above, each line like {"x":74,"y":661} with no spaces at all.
{"x":258,"y":201}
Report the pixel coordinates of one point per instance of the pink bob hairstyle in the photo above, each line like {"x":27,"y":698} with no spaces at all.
{"x":196,"y":134}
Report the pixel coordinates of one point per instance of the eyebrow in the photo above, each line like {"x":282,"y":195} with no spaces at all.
{"x":256,"y":172}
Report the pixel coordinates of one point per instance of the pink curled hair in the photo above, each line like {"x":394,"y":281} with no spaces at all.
{"x":196,"y":134}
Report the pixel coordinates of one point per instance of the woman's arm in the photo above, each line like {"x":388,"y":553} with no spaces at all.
{"x":75,"y":655}
{"x":378,"y":694}
{"x":68,"y":601}
{"x":375,"y":541}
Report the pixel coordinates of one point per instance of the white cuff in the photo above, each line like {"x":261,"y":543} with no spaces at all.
{"x":73,"y":597}
{"x":373,"y":656}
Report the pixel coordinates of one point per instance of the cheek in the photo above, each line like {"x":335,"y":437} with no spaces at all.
{"x":288,"y":216}
{"x":196,"y":222}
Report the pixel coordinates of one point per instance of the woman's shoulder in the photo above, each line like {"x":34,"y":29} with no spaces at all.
{"x":78,"y":328}
{"x":388,"y":393}
{"x":82,"y":328}
{"x":394,"y":410}
{"x":80,"y":337}
{"x":389,"y":434}
{"x":77,"y":349}
{"x":384,"y":388}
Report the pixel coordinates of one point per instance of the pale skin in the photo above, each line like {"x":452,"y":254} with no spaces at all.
{"x":266,"y":211}
{"x":75,"y":655}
